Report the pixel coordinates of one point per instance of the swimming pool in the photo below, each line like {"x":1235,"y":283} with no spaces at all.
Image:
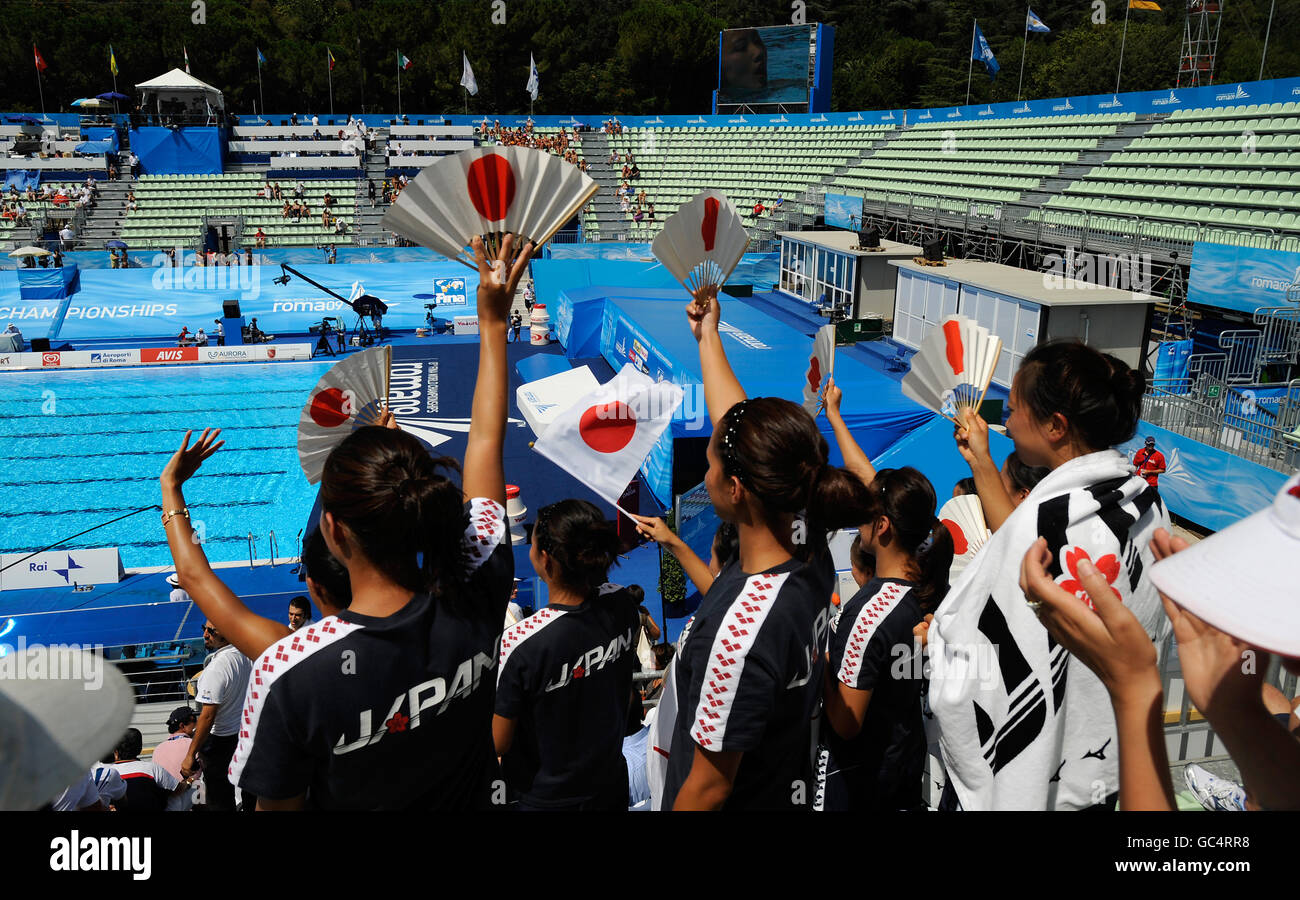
{"x":78,"y":448}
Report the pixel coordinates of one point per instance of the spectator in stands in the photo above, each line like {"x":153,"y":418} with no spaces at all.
{"x":248,"y":256}
{"x":58,"y":259}
{"x":149,"y":787}
{"x":340,"y":226}
{"x":371,"y":191}
{"x":67,"y":236}
{"x":261,"y":237}
{"x":299,"y":613}
{"x":286,"y":210}
{"x":130,"y":200}
{"x":293,"y":119}
{"x":331,"y":255}
{"x":635,"y":171}
{"x":171,"y":752}
{"x":758,"y":208}
{"x":650,"y":212}
{"x":300,"y":190}
{"x":279,"y":191}
{"x":222,"y":685}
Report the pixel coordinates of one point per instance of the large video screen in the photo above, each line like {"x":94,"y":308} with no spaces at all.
{"x":765,"y":65}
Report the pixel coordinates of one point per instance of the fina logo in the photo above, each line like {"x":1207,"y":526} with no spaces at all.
{"x":1166,"y":101}
{"x":1062,"y":106}
{"x":1112,"y":103}
{"x":1240,"y":94}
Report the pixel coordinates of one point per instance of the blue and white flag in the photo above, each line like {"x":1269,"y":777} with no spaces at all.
{"x":261,"y":59}
{"x":981,"y":51}
{"x":532,"y":85}
{"x":1033,"y":23}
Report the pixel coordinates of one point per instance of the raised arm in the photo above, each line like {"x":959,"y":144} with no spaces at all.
{"x":722,"y":389}
{"x":973,"y":445}
{"x":250,"y":633}
{"x":484,"y":466}
{"x":854,"y":459}
{"x":696,"y":569}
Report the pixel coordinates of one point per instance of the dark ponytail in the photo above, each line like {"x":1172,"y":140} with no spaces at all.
{"x":1098,"y":394}
{"x":907,"y":499}
{"x":408,"y":517}
{"x":330,"y":575}
{"x":774,"y":448}
{"x":580,"y":540}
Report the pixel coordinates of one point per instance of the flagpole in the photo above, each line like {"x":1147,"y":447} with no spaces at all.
{"x":1128,"y":6}
{"x":261,"y":99}
{"x":330,"y":72}
{"x":41,"y":90}
{"x":399,"y":83}
{"x":1267,"y":31}
{"x":1023,"y":48}
{"x":971,"y":64}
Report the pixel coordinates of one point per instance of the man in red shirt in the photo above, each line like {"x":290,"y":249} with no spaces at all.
{"x":1150,"y":462}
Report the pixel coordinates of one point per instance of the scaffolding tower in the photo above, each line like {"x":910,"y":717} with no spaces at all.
{"x":1200,"y":43}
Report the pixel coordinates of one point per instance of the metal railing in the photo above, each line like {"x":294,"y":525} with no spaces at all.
{"x":1213,"y":422}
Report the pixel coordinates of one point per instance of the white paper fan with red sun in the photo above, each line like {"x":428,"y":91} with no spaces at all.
{"x":352,"y":394}
{"x":952,"y":370}
{"x":702,"y":242}
{"x":489,"y":191}
{"x":964,"y":518}
{"x":821,"y":365}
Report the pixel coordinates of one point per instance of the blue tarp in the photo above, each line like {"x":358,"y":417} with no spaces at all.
{"x":648,"y":327}
{"x":95,"y":148}
{"x":625,"y":265}
{"x":22,"y":179}
{"x":1240,"y":278}
{"x":104,"y":133}
{"x":1205,"y":485}
{"x":47,"y":284}
{"x":180,"y":151}
{"x":932,"y":450}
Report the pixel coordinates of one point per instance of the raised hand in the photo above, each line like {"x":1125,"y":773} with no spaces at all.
{"x":704,"y":311}
{"x":654,"y":529}
{"x":831,"y":398}
{"x":1111,"y":641}
{"x":972,"y":437}
{"x":186,"y":460}
{"x":498,"y":276}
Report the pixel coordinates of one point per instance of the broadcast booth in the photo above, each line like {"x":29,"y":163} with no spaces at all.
{"x":850,"y":270}
{"x":780,"y":69}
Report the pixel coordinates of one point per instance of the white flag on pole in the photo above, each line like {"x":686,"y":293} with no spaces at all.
{"x":532,"y":85}
{"x":821,"y":363}
{"x":467,"y":75}
{"x":606,"y":436}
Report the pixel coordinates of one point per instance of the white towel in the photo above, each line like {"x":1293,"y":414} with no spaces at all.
{"x":1023,"y":725}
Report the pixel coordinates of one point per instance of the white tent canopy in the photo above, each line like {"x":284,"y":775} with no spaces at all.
{"x":179,"y":92}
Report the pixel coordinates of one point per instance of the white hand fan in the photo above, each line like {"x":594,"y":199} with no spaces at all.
{"x":489,"y":191}
{"x":953,"y":368}
{"x":702,"y":242}
{"x":352,"y":394}
{"x":821,"y":365}
{"x":964,"y":517}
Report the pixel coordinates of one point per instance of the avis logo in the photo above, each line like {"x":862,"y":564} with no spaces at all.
{"x":170,"y":356}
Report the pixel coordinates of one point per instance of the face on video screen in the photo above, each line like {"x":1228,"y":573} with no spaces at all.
{"x":744,"y":61}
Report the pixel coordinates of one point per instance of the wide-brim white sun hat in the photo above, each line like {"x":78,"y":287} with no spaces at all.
{"x":1243,"y":580}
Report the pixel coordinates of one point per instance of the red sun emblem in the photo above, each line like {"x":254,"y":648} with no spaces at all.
{"x":1108,"y":566}
{"x":814,"y":373}
{"x":959,"y":545}
{"x":327,"y":408}
{"x":397,"y":723}
{"x":491,"y":185}
{"x":579,"y":671}
{"x":607,"y":427}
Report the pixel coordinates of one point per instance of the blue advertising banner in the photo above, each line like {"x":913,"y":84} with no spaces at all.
{"x":594,"y":120}
{"x":843,"y":211}
{"x":1241,"y":278}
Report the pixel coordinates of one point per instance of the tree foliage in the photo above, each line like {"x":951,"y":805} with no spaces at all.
{"x":601,"y":56}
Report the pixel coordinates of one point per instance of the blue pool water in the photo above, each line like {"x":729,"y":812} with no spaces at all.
{"x":78,"y":448}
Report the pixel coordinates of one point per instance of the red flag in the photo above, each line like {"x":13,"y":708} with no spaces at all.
{"x":41,"y":64}
{"x":330,"y":54}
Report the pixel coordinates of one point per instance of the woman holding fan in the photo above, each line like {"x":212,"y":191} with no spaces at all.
{"x":1023,"y":726}
{"x":749,"y":670}
{"x":388,"y":704}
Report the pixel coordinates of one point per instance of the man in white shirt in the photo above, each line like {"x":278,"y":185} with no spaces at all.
{"x":221,"y":333}
{"x":222,"y":685}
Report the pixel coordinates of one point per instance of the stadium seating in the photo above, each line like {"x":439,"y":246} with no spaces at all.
{"x":170,"y":210}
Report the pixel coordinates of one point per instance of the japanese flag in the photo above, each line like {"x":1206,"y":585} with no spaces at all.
{"x":821,"y":363}
{"x":605,"y":437}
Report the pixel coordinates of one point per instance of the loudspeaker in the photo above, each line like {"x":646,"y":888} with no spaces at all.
{"x":738,"y":290}
{"x":230,"y":309}
{"x":40,"y":345}
{"x":869,"y":238}
{"x":933,"y":249}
